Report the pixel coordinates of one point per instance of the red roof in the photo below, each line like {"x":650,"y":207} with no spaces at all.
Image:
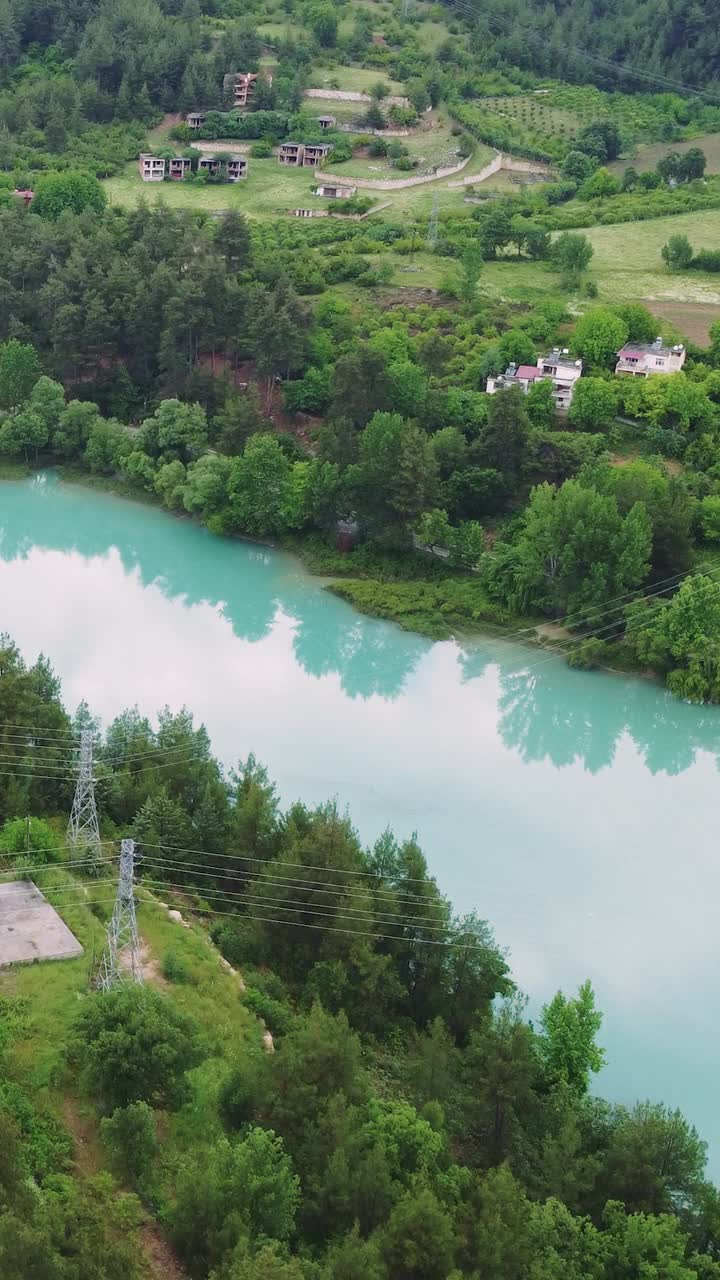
{"x":528,"y":372}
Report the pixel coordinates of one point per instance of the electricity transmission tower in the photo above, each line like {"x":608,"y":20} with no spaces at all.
{"x":432,"y":233}
{"x":121,"y":958}
{"x":83,"y":831}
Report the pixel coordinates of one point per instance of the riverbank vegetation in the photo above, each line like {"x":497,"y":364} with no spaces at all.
{"x":292,"y":380}
{"x":410,"y":1121}
{"x":266,"y":403}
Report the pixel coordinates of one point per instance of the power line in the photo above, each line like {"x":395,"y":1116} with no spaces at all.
{"x":291,"y":882}
{"x":39,"y":731}
{"x":278,"y":862}
{"x":395,"y":919}
{"x":456,"y":943}
{"x":637,"y":624}
{"x":628,"y":69}
{"x":22,"y":870}
{"x":229,"y":893}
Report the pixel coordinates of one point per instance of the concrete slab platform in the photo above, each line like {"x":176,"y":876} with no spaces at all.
{"x":30,"y":928}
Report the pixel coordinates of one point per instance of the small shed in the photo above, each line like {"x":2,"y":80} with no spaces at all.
{"x":195,"y":119}
{"x":327,"y":122}
{"x":334,"y":191}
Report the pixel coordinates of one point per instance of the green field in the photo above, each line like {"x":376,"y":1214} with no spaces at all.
{"x":434,"y":147}
{"x":627,"y":267}
{"x":535,"y":111}
{"x":352,"y":79}
{"x":271,"y":188}
{"x":647,"y":154}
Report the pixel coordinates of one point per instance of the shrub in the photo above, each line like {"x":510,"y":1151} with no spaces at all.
{"x":130,"y":1139}
{"x":587,"y":655}
{"x":132,"y":1044}
{"x":68,"y":192}
{"x":276,"y":1015}
{"x":174,"y":968}
{"x":261,"y":150}
{"x":19,"y":835}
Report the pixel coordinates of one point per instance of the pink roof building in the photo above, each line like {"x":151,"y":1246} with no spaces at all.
{"x":557,"y":368}
{"x":642,"y":359}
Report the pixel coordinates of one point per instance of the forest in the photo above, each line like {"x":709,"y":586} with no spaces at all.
{"x":149,"y":320}
{"x":412,"y":1122}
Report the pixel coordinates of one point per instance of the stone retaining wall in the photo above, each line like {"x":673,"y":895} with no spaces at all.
{"x":344,"y":95}
{"x":393,"y":184}
{"x":509,"y":163}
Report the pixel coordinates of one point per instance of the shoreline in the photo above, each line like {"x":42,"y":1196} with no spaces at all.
{"x":433,"y":619}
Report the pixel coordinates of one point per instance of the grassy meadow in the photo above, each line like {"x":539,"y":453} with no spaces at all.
{"x":647,"y":154}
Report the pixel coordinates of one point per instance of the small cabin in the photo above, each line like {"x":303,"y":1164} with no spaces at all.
{"x":195,"y":119}
{"x":327,"y":122}
{"x":290,"y":153}
{"x":151,"y":168}
{"x":209,"y":164}
{"x":179,"y":167}
{"x":315,"y":153}
{"x":335,"y":192}
{"x":236,"y":168}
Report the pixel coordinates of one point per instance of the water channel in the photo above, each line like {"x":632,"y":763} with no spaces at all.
{"x":575,"y":811}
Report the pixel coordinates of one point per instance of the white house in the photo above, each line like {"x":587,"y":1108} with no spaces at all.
{"x":642,"y":359}
{"x":557,"y":368}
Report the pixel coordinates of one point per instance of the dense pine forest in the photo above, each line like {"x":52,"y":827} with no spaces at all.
{"x":411,"y":1121}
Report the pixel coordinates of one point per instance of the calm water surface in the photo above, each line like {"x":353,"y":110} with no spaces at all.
{"x":578,"y":812}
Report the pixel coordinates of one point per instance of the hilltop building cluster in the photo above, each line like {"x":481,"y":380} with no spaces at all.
{"x":635,"y":359}
{"x":241,"y":87}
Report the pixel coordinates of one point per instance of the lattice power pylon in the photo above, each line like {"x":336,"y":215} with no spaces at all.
{"x":121,"y":957}
{"x":83,"y":830}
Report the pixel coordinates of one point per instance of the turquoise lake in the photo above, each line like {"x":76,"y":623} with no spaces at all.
{"x":574,"y":811}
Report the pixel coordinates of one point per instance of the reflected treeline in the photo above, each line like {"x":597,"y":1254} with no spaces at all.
{"x":545,"y":710}
{"x":251,"y":585}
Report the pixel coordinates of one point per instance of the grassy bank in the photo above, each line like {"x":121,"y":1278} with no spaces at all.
{"x":415,"y":590}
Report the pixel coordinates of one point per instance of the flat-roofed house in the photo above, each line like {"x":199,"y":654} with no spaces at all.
{"x":236,"y":168}
{"x":195,"y":119}
{"x":151,"y":168}
{"x":642,"y":359}
{"x":557,"y":367}
{"x":210,"y":164}
{"x":315,"y":153}
{"x":179,"y":167}
{"x":290,"y":153}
